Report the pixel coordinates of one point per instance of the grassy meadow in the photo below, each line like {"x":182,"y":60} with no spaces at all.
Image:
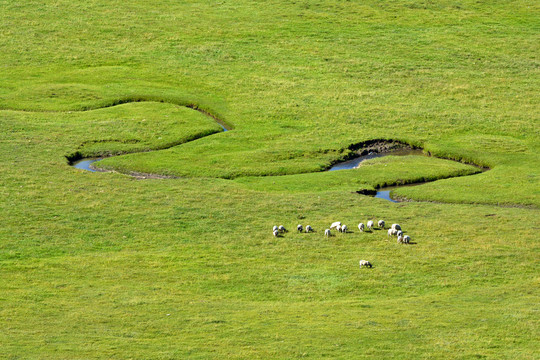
{"x":103,"y":265}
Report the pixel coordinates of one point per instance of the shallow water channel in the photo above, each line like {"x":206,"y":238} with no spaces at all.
{"x":354,"y":163}
{"x":84,"y":164}
{"x":384,"y":193}
{"x":372,"y":152}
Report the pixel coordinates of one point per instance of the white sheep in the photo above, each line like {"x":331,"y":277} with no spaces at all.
{"x":361,"y":227}
{"x":396,"y":227}
{"x":327,"y":233}
{"x":406,"y":239}
{"x":365,"y":263}
{"x":381,"y":224}
{"x":400,"y":239}
{"x":344,"y":228}
{"x":275,"y":228}
{"x":309,"y":228}
{"x":281,"y":228}
{"x":276,"y":233}
{"x":370,"y":224}
{"x":392,"y":232}
{"x":338,"y":228}
{"x":299,"y":228}
{"x":400,"y":233}
{"x":335,"y":224}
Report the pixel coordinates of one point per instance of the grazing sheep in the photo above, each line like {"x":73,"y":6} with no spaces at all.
{"x":365,"y":263}
{"x":400,"y":239}
{"x":338,"y":228}
{"x":309,"y":229}
{"x":392,"y":232}
{"x":406,"y":239}
{"x":361,"y":227}
{"x":281,"y":228}
{"x":344,"y":228}
{"x":276,"y":233}
{"x":335,"y":224}
{"x":299,"y":228}
{"x":327,"y":233}
{"x":370,"y":224}
{"x":396,"y":227}
{"x":381,"y":224}
{"x":275,"y":228}
{"x":400,"y":233}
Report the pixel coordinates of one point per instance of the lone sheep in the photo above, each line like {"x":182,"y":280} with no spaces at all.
{"x":299,"y":228}
{"x":309,"y":228}
{"x":381,"y":224}
{"x":361,"y":227}
{"x":365,"y":263}
{"x":327,"y":233}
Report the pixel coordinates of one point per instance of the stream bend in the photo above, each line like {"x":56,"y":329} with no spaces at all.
{"x":383,"y":193}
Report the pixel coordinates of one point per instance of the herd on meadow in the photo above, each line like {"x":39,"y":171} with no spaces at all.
{"x":394,"y":230}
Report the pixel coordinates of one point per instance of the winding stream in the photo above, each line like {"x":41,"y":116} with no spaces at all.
{"x":369,"y":152}
{"x":354,"y":163}
{"x":85,"y":164}
{"x":384,"y":193}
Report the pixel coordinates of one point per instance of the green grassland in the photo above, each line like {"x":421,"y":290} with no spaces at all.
{"x":102,"y":265}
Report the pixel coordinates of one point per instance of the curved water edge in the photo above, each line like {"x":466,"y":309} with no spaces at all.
{"x":381,"y":193}
{"x":379,"y":148}
{"x":356,"y":161}
{"x":366,"y":150}
{"x":86,"y":163}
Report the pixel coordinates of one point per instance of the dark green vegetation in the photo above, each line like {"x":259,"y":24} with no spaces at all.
{"x":100,"y":265}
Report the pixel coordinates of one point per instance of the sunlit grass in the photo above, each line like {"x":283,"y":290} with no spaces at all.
{"x":102,"y":265}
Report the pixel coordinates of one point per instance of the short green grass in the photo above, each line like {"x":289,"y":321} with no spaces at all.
{"x":102,"y":265}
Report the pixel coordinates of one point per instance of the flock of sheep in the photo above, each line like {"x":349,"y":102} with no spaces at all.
{"x":394,"y":230}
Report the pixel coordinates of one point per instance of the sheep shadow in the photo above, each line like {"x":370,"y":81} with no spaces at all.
{"x":409,"y":243}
